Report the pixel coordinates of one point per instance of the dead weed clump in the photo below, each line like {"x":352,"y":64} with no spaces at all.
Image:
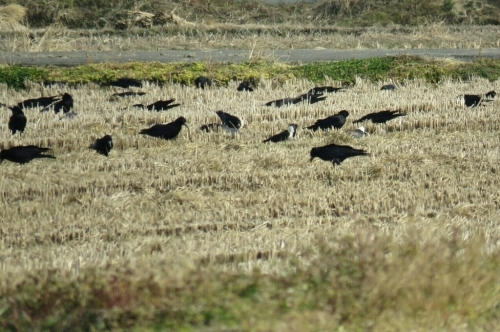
{"x":12,"y":17}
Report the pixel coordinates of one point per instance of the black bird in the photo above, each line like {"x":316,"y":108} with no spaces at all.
{"x":311,"y":98}
{"x":335,"y":121}
{"x":322,"y":89}
{"x":210,"y":127}
{"x":476,"y":100}
{"x":284,"y":135}
{"x":229,"y":122}
{"x":38,"y":102}
{"x":388,"y":87}
{"x":128,"y":94}
{"x":17,"y":121}
{"x":166,"y":131}
{"x":202,"y":82}
{"x":491,"y":94}
{"x":381,"y":117}
{"x":103,"y":145}
{"x":65,"y":104}
{"x":280,"y":102}
{"x":336,"y":153}
{"x":24,"y":154}
{"x":160,"y":105}
{"x":244,"y":86}
{"x":125,"y":82}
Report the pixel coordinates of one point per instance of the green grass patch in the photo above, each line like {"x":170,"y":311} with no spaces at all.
{"x":375,"y":69}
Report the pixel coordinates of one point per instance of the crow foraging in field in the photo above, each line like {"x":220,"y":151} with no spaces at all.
{"x":24,"y":154}
{"x":38,"y":102}
{"x":103,"y":145}
{"x":125,"y":82}
{"x":128,"y":94}
{"x":202,"y":82}
{"x":230,"y":122}
{"x":311,"y":98}
{"x":335,"y":153}
{"x":244,"y":86}
{"x":65,"y":104}
{"x":284,"y":135}
{"x":280,"y":102}
{"x":322,"y":89}
{"x":388,"y":87}
{"x":335,"y":121}
{"x":381,"y":117}
{"x":166,"y":131}
{"x":17,"y":121}
{"x":160,"y":105}
{"x":476,"y":100}
{"x":210,"y":127}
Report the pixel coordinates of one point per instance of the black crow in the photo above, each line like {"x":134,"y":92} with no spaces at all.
{"x":210,"y":127}
{"x":230,"y":122}
{"x":322,"y":89}
{"x":24,"y":154}
{"x":311,"y":98}
{"x":381,"y":117}
{"x":476,"y":100}
{"x":388,"y":87}
{"x":160,"y":105}
{"x":284,"y":135}
{"x":17,"y":121}
{"x":103,"y":145}
{"x":336,"y":153}
{"x":244,"y":86}
{"x":125,"y":83}
{"x":38,"y":102}
{"x":280,"y":102}
{"x":128,"y":94}
{"x":202,"y":82}
{"x":65,"y":104}
{"x":335,"y":121}
{"x":358,"y":133}
{"x":166,"y":131}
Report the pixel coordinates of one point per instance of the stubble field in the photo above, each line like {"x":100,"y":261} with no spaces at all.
{"x":215,"y":231}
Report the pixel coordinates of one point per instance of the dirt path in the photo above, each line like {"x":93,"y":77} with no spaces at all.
{"x":80,"y":58}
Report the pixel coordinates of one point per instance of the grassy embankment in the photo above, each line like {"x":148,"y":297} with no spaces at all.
{"x":377,"y":69}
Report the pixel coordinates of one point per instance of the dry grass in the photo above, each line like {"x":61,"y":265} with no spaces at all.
{"x":216,"y":205}
{"x":254,"y":37}
{"x":12,"y":17}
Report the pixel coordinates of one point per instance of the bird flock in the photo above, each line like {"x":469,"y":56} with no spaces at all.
{"x":229,"y":123}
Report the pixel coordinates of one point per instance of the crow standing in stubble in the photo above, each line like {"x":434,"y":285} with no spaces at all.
{"x":103,"y":145}
{"x":65,"y":104}
{"x":166,"y":131}
{"x":160,"y":105}
{"x":202,"y":82}
{"x":335,"y":121}
{"x":230,"y":122}
{"x":24,"y":154}
{"x":381,"y":117}
{"x":476,"y":100}
{"x":244,"y":86}
{"x":17,"y":121}
{"x":38,"y":102}
{"x":336,"y":153}
{"x":125,"y":83}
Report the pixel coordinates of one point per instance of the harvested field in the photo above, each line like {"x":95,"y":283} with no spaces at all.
{"x":158,"y":218}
